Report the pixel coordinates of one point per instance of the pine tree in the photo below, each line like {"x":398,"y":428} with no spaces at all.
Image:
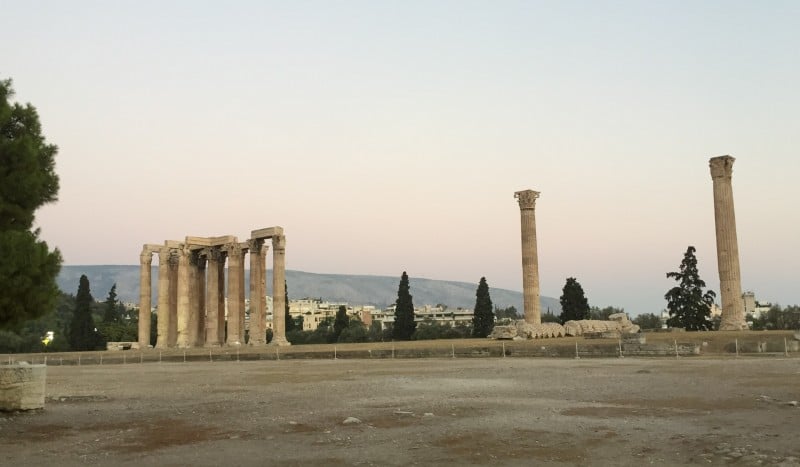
{"x":82,"y":335}
{"x":404,"y":324}
{"x":28,"y":268}
{"x":688,"y":306}
{"x":574,"y":305}
{"x":483,"y":317}
{"x":340,"y":323}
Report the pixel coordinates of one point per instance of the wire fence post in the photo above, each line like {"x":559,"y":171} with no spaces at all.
{"x":504,"y":350}
{"x":619,"y":345}
{"x":334,"y":352}
{"x":736,"y":343}
{"x":454,"y":350}
{"x":676,"y":348}
{"x":577,"y":356}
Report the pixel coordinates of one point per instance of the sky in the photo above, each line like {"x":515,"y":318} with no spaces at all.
{"x":391,"y":136}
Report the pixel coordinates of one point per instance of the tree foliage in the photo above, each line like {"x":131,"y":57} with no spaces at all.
{"x":289,"y":322}
{"x":28,"y":268}
{"x":404,"y":324}
{"x":82,"y":333}
{"x":777,"y":318}
{"x":648,"y":321}
{"x":574,"y":305}
{"x":506,"y":313}
{"x":602,"y":314}
{"x":482,"y":317}
{"x":689,"y":307}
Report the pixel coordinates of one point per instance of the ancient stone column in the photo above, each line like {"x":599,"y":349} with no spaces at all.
{"x":162,"y":341}
{"x":184,"y":299}
{"x":257,"y":312}
{"x":279,"y":291}
{"x":145,"y":296}
{"x":235,"y":281}
{"x":221,"y":297}
{"x":530,"y":257}
{"x":172,"y":335}
{"x":240,"y":298}
{"x":730,"y":282}
{"x":213,"y":337}
{"x":200,"y":302}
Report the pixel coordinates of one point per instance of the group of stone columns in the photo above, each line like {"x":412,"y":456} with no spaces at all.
{"x":191,"y":291}
{"x":733,"y":316}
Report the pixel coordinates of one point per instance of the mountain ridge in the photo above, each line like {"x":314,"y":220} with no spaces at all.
{"x":356,"y":289}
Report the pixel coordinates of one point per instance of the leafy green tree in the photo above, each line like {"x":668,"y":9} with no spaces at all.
{"x":482,"y":318}
{"x":574,"y":305}
{"x":28,"y":268}
{"x":688,"y":306}
{"x":506,"y":313}
{"x":82,"y":333}
{"x":648,"y":321}
{"x":549,"y":317}
{"x":603,"y":313}
{"x":354,"y":332}
{"x":340,"y":322}
{"x":404,"y":324}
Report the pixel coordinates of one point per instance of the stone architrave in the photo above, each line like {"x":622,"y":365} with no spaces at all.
{"x":235,"y":309}
{"x":145,"y":296}
{"x":213,"y":336}
{"x":162,"y":341}
{"x":730,"y":283}
{"x":530,"y":258}
{"x":257,"y":312}
{"x":279,"y":291}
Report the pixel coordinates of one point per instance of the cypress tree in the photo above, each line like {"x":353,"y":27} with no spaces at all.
{"x":288,"y":321}
{"x":404,"y":324}
{"x":82,"y":335}
{"x":483,"y":317}
{"x":110,"y":308}
{"x":574,"y":305}
{"x":340,"y":323}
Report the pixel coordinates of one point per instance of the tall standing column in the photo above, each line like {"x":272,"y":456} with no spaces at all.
{"x":530,"y":257}
{"x":730,"y":282}
{"x":172,"y":334}
{"x":162,"y":341}
{"x":221,"y":297}
{"x":212,"y":304}
{"x":145,"y":297}
{"x":279,"y":290}
{"x":235,"y":311}
{"x":258,"y":334}
{"x":240,"y":298}
{"x":197,"y":299}
{"x":184,"y":304}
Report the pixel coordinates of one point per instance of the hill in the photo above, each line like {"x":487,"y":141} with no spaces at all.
{"x":380,"y":291}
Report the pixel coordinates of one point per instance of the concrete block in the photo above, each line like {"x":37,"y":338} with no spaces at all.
{"x":22,"y":386}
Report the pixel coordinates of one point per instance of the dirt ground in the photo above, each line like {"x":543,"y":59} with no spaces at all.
{"x":501,"y":411}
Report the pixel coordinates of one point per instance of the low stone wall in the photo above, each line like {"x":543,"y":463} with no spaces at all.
{"x":22,"y":386}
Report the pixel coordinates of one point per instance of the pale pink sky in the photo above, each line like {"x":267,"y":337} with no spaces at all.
{"x":391,"y":136}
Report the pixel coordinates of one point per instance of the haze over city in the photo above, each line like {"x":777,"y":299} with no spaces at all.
{"x":388,"y":137}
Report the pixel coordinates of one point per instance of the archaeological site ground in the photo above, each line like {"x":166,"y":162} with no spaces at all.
{"x":478,"y":408}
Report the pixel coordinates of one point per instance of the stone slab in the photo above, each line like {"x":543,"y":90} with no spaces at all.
{"x":22,"y":387}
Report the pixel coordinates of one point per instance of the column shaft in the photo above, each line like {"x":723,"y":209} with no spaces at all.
{"x":145,"y":297}
{"x":530,"y":256}
{"x":184,"y":299}
{"x":212,"y":338}
{"x":279,"y":291}
{"x":162,"y":341}
{"x":235,"y":310}
{"x":257,"y":334}
{"x":733,"y":317}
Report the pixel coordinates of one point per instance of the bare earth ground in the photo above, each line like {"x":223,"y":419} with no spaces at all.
{"x":501,"y":411}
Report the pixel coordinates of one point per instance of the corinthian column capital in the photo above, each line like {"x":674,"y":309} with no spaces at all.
{"x":526,"y":198}
{"x":721,"y":167}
